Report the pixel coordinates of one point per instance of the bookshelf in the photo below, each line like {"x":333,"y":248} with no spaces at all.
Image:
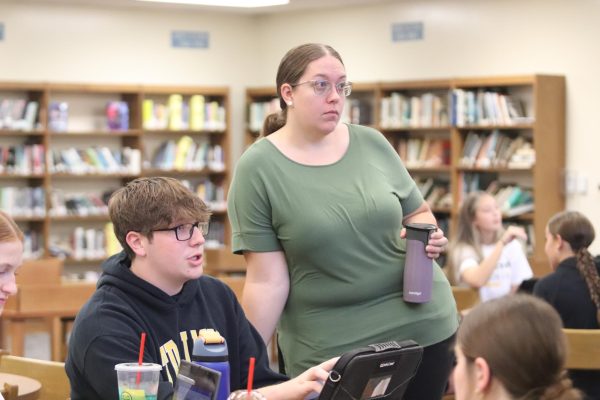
{"x":429,"y":122}
{"x":96,"y":138}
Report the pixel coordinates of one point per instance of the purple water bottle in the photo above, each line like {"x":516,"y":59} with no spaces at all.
{"x":418,"y":268}
{"x":210,"y":350}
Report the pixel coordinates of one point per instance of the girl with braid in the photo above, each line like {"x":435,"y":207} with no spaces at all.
{"x":573,"y":288}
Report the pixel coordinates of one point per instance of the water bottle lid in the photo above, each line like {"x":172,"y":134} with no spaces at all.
{"x":214,"y":352}
{"x":418,"y":231}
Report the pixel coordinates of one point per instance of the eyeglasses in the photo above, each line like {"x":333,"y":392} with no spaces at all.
{"x":184,"y":232}
{"x":323,"y":88}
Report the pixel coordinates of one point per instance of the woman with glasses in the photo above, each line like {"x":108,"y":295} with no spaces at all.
{"x":317,"y":208}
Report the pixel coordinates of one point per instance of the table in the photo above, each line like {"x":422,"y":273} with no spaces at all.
{"x":29,"y":389}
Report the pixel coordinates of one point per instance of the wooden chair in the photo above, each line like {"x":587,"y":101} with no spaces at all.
{"x":51,"y":374}
{"x":10,"y":392}
{"x":465,"y":297}
{"x":583,"y":348}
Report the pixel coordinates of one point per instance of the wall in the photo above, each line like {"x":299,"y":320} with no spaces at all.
{"x":462,"y":38}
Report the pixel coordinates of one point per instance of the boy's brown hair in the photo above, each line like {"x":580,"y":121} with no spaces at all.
{"x":147,"y":204}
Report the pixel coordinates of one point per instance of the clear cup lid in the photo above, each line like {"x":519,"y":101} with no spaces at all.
{"x":133,"y":366}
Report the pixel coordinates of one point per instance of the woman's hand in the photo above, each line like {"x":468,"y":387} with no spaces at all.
{"x":513,"y":232}
{"x":307,"y":384}
{"x":436,"y":244}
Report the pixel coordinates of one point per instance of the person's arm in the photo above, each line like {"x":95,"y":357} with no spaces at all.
{"x":478,"y":276}
{"x":309,"y":382}
{"x":266,"y":290}
{"x":437,"y":240}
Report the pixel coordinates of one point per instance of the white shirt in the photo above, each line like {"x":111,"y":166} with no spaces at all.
{"x":512,"y":268}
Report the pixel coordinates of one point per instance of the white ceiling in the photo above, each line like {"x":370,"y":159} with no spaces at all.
{"x":294,"y":5}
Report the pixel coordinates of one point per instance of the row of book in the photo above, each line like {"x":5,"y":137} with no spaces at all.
{"x":187,"y":154}
{"x":485,"y":107}
{"x":95,"y":160}
{"x":417,"y":152}
{"x":84,"y":244}
{"x":259,"y":110}
{"x":22,"y":159}
{"x":216,"y":235}
{"x":497,"y":149}
{"x":211,"y":192}
{"x":357,"y":111}
{"x":33,"y":244}
{"x":27,"y":202}
{"x":513,"y":199}
{"x":196,"y":114}
{"x":402,"y":111}
{"x":78,"y":204}
{"x":435,"y":192}
{"x":18,"y":114}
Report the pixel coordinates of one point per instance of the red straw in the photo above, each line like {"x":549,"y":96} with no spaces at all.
{"x":250,"y":377}
{"x":141,"y":357}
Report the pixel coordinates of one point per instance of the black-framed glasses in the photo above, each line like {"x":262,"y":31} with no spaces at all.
{"x":184,"y":232}
{"x":323,"y":87}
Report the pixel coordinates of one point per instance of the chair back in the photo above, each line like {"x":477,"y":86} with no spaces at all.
{"x":583,"y":347}
{"x":51,"y":374}
{"x":465,"y":297}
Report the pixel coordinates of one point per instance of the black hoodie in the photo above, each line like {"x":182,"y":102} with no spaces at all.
{"x":107,"y":331}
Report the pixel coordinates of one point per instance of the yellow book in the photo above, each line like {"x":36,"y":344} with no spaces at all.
{"x":197,"y":112}
{"x":183,"y":146}
{"x":148,"y":118}
{"x":112,"y":244}
{"x":175,"y":106}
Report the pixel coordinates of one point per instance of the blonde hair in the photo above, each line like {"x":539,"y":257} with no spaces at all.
{"x":9,"y":230}
{"x":467,"y":236}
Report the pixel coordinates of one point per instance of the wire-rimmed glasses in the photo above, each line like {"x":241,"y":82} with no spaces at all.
{"x":323,"y":87}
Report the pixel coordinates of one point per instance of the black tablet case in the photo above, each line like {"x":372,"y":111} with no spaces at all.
{"x":378,"y":371}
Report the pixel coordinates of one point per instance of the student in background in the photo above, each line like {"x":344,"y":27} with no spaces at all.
{"x":317,"y":208}
{"x":155,"y":285}
{"x":512,"y":348}
{"x":11,"y":256}
{"x":483,"y":254}
{"x":573,"y":288}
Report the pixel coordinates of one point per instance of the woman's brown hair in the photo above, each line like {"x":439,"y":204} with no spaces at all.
{"x":575,"y":229}
{"x":521,"y":339}
{"x":291,"y":68}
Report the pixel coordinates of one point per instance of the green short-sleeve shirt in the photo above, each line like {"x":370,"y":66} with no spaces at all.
{"x":339,"y":227}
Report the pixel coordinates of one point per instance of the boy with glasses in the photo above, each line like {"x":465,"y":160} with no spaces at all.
{"x":155,"y":285}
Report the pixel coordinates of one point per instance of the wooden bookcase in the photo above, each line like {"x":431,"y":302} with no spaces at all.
{"x":86,"y":128}
{"x":543,"y":100}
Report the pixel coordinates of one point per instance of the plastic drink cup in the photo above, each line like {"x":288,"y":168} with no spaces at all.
{"x":243,"y":395}
{"x":138,"y":382}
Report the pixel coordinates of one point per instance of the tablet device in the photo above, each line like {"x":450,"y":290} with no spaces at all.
{"x":196,"y":382}
{"x":379,"y":371}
